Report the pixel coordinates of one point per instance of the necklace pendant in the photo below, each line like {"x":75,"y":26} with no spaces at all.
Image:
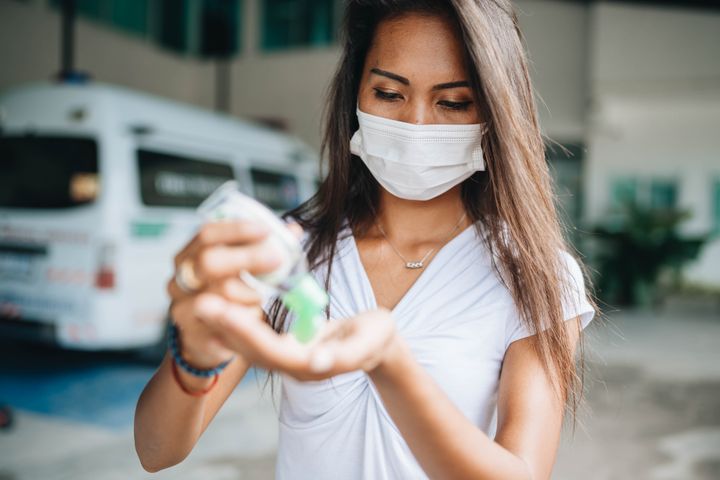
{"x":414,"y":265}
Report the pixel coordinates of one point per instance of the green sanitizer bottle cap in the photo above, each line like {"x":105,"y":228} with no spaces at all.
{"x":307,"y":300}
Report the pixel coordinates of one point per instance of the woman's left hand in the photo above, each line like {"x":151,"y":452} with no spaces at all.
{"x":362,"y":342}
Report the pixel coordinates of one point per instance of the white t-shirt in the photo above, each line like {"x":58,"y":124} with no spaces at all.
{"x":458,"y":320}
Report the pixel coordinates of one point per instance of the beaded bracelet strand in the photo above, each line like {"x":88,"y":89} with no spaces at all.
{"x":194,"y":393}
{"x":178,"y":361}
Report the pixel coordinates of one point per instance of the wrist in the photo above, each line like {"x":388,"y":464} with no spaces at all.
{"x":396,"y":355}
{"x":200,"y":361}
{"x":192,"y":385}
{"x":175,"y":346}
{"x":190,"y":381}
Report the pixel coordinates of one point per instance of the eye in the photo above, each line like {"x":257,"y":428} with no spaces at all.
{"x":457,"y":106}
{"x":386,"y":95}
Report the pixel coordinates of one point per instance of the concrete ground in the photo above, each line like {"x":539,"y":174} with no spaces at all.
{"x":653,"y":405}
{"x":652,"y":411}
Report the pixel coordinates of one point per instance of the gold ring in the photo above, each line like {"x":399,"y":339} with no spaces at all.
{"x":185,"y":277}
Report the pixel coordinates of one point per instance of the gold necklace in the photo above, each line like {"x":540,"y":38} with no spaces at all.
{"x":418,"y":263}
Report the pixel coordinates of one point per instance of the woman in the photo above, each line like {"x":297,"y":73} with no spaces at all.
{"x":458,"y":306}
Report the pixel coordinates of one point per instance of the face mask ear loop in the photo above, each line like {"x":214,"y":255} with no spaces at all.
{"x":478,"y":159}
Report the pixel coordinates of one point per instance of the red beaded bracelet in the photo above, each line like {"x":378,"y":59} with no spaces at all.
{"x":196,"y":393}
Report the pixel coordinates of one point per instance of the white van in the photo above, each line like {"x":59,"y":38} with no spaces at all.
{"x":98,"y":186}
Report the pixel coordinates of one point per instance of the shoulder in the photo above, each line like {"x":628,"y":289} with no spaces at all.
{"x":571,"y":268}
{"x":574,"y":298}
{"x":572,"y":282}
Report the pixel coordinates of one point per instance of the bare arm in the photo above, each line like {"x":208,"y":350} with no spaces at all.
{"x":448,"y":445}
{"x":169,"y":422}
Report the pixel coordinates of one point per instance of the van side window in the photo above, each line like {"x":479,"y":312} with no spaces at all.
{"x":279,"y":191}
{"x":48,"y":171}
{"x":171,"y":180}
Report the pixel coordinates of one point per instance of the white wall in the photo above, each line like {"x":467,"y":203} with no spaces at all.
{"x":661,"y":49}
{"x":655,"y":82}
{"x":556,"y":33}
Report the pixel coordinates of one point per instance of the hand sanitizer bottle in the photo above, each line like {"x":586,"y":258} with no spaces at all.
{"x":291,"y":280}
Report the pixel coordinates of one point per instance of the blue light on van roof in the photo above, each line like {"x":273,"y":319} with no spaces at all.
{"x":74,"y":77}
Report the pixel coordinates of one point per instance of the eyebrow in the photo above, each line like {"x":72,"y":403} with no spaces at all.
{"x":405,"y":81}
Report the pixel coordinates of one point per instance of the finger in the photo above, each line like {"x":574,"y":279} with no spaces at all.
{"x":175,"y":292}
{"x":181,"y":311}
{"x":328,"y":331}
{"x":354,"y":346}
{"x":233,"y":232}
{"x":224,"y":261}
{"x":238,"y":329}
{"x":235,"y":290}
{"x":278,"y":352}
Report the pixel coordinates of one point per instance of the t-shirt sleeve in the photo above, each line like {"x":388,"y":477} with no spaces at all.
{"x":574,"y":302}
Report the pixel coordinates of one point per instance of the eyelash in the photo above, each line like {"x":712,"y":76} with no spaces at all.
{"x":453,"y":106}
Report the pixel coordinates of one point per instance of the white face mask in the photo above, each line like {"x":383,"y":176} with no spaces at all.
{"x":417,"y":162}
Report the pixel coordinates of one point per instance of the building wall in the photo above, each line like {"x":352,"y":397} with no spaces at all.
{"x":556,"y":34}
{"x":636,"y":48}
{"x":655,"y":111}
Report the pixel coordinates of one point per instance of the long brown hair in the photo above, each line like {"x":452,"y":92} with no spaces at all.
{"x":512,"y":198}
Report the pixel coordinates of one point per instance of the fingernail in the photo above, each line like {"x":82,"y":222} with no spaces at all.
{"x":321,"y":361}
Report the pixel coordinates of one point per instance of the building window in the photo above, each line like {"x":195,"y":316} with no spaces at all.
{"x":663,"y":194}
{"x":173,"y":28}
{"x":623,"y":192}
{"x":130,"y":15}
{"x":297,"y":23}
{"x":655,"y":193}
{"x":208,"y":28}
{"x":219,"y":28}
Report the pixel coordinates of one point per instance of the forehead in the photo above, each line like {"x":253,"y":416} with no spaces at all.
{"x":423,"y":48}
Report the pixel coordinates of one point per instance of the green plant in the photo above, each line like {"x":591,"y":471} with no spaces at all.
{"x":636,"y":246}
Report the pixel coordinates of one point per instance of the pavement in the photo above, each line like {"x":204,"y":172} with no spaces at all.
{"x":652,"y":410}
{"x":653,"y":401}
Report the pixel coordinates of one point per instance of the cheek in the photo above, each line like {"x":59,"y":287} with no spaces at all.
{"x":369,"y":103}
{"x":367,"y":100}
{"x":473,"y":116}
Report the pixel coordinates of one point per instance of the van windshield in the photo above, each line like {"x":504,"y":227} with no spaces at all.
{"x":47,"y":171}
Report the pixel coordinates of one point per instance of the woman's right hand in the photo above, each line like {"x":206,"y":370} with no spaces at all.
{"x":217,"y":254}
